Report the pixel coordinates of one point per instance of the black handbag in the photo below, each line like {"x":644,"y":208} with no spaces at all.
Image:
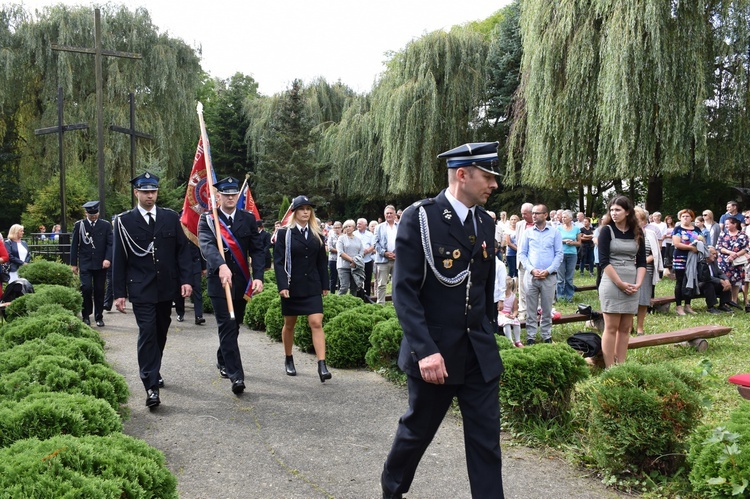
{"x":589,"y":344}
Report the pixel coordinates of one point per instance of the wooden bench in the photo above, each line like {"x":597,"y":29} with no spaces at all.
{"x":693,"y":336}
{"x":743,"y":384}
{"x":590,"y":287}
{"x":567,"y":319}
{"x":661,"y":303}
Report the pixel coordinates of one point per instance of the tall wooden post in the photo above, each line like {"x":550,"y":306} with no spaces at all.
{"x":133,"y":134}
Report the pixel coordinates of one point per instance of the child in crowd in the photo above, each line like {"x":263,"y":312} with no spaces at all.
{"x":507,"y":318}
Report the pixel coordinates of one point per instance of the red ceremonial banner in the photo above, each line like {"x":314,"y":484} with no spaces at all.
{"x":246,"y":201}
{"x":196,"y":197}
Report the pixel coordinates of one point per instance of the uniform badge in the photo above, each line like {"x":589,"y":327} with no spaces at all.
{"x":484,"y":249}
{"x":441,"y":250}
{"x":147,"y":175}
{"x":447,"y":263}
{"x":456,"y":254}
{"x":447,"y":214}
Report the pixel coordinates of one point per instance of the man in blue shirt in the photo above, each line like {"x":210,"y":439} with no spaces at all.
{"x":541,"y":254}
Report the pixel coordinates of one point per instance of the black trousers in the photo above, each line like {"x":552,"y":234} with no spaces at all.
{"x":196,"y":297}
{"x":368,"y":277}
{"x":92,"y":288}
{"x":428,"y":403}
{"x":153,"y":324}
{"x":711,"y":290}
{"x":108,"y":298}
{"x":228,"y":354}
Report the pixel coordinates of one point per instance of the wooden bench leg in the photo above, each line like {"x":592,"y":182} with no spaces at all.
{"x":699,"y":344}
{"x":744,"y":391}
{"x":663,"y":308}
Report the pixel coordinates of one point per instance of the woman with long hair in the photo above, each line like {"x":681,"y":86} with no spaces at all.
{"x":733,"y":245}
{"x":571,"y":239}
{"x":684,"y":237}
{"x":302,"y":278}
{"x":622,"y":256}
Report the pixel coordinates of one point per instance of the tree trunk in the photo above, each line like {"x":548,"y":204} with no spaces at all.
{"x":655,"y":195}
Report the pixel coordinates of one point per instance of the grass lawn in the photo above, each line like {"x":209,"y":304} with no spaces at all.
{"x":726,"y":355}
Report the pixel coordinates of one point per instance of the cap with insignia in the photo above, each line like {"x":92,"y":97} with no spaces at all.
{"x":91,"y":207}
{"x":146,"y":182}
{"x":301,"y":201}
{"x":228,"y":185}
{"x":482,"y":155}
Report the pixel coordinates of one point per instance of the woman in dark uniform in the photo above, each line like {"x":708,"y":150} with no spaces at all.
{"x":301,"y":267}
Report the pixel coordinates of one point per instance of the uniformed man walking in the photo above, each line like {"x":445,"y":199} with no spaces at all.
{"x":90,"y":257}
{"x":443,"y":285}
{"x":151,"y":263}
{"x":240,"y":238}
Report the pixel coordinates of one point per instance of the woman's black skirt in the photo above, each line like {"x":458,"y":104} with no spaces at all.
{"x":302,"y":305}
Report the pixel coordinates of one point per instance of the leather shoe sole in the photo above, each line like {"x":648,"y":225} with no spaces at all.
{"x":238,"y":386}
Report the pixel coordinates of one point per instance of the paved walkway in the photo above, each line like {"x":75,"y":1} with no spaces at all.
{"x":295,"y":437}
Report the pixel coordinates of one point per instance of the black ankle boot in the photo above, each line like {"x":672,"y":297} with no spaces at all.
{"x":323,"y":371}
{"x":289,"y":363}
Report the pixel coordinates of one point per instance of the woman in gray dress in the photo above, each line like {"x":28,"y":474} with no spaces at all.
{"x":622,"y":256}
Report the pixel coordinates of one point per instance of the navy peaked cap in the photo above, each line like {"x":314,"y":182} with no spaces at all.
{"x":301,"y":201}
{"x":228,"y":185}
{"x":146,"y":181}
{"x":482,"y":155}
{"x":91,"y":207}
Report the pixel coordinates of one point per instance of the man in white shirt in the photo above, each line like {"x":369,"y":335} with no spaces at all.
{"x":385,"y":250}
{"x":368,"y":245}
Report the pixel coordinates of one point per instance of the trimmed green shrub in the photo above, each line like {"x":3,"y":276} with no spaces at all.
{"x":110,"y":467}
{"x":504,"y":343}
{"x":255,"y":312}
{"x":538,"y":382}
{"x":269,"y":277}
{"x":51,"y":309}
{"x":274,"y":320}
{"x":333,"y":305}
{"x":45,"y":415}
{"x":68,"y":298}
{"x":208,"y":307}
{"x":348,"y":334}
{"x":28,"y":328}
{"x":44,"y":272}
{"x":720,"y":457}
{"x":55,"y":373}
{"x":639,"y":417}
{"x":54,"y":344}
{"x":385,"y":342}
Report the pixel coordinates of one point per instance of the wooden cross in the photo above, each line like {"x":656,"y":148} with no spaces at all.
{"x":60,"y":129}
{"x":133,"y":134}
{"x":98,"y":52}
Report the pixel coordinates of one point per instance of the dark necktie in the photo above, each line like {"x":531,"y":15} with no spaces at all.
{"x":469,"y":228}
{"x":230,"y":220}
{"x":304,"y":232}
{"x":150,"y":218}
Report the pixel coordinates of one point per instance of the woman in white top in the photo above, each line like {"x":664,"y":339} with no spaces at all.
{"x":17,"y":250}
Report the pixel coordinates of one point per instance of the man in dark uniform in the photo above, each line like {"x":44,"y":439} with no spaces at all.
{"x":265,"y":236}
{"x":443,"y":294}
{"x":240,"y":238}
{"x":151,"y":263}
{"x":90,"y":257}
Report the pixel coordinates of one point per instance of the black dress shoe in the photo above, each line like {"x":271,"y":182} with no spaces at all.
{"x":161,"y":382}
{"x":199,"y":321}
{"x":87,"y":321}
{"x":152,"y":398}
{"x":180,"y":318}
{"x":714,"y":311}
{"x":238,"y":386}
{"x":323,"y":371}
{"x":108,"y":307}
{"x":725,"y":308}
{"x":100,"y":323}
{"x":222,"y":371}
{"x":733,"y":304}
{"x":289,"y":364}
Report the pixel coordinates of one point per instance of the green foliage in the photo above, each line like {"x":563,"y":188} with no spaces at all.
{"x":67,"y":297}
{"x":45,"y":415}
{"x":333,"y":305}
{"x":720,"y":457}
{"x":111,"y":467}
{"x":255,"y":312}
{"x":269,"y":277}
{"x":28,"y":328}
{"x":538,"y":382}
{"x":385,"y":341}
{"x":504,"y":343}
{"x":274,"y":320}
{"x":348,"y":334}
{"x":208,"y":306}
{"x":640,"y":416}
{"x":50,"y":309}
{"x":53,"y":344}
{"x":55,"y":373}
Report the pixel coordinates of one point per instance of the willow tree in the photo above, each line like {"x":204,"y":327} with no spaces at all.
{"x":611,"y":89}
{"x":164,"y":82}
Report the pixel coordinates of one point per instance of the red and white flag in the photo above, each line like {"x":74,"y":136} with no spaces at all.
{"x":197,"y":196}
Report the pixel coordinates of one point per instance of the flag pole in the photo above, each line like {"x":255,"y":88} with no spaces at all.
{"x":210,"y":180}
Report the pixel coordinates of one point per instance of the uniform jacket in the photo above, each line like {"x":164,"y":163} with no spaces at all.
{"x":150,"y":278}
{"x":245,"y":230}
{"x":437,"y":318}
{"x":381,"y":242}
{"x":265,"y":236}
{"x":90,"y":256}
{"x":309,"y":264}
